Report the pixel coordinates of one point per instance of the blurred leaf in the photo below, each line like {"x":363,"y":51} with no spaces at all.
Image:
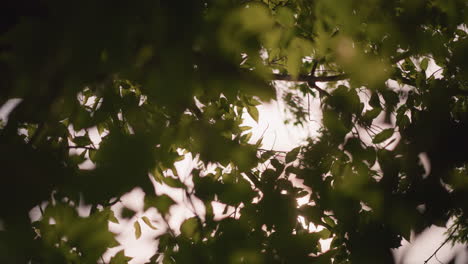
{"x":267,"y":155}
{"x":189,"y":228}
{"x":127,"y":213}
{"x":137,"y":228}
{"x":162,"y":203}
{"x":174,"y":183}
{"x":292,"y":155}
{"x":253,"y":112}
{"x":311,"y":213}
{"x":371,"y":114}
{"x":285,"y":16}
{"x":324,"y":233}
{"x":424,"y":64}
{"x":148,"y":223}
{"x":383,"y":135}
{"x":82,"y":141}
{"x":120,"y":258}
{"x":92,"y":154}
{"x":111,"y":216}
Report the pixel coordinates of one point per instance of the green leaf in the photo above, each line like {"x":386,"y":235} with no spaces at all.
{"x":148,"y":222}
{"x":324,"y":234}
{"x":252,"y":101}
{"x":120,"y":258}
{"x":277,"y":165}
{"x":461,"y":33}
{"x":402,"y":121}
{"x":101,"y":127}
{"x":82,"y":141}
{"x":335,"y":168}
{"x":179,"y":158}
{"x":92,"y":154}
{"x":245,"y":138}
{"x":174,"y":183}
{"x":158,"y":174}
{"x":285,"y":16}
{"x":424,"y":64}
{"x":137,"y":227}
{"x":374,"y":101}
{"x":253,"y":112}
{"x":266,"y":155}
{"x":301,"y":194}
{"x":311,"y":213}
{"x":259,"y":142}
{"x":127,"y":213}
{"x":328,"y":220}
{"x":189,"y":228}
{"x":371,"y":114}
{"x":382,"y":136}
{"x":163,"y":203}
{"x":111,"y":216}
{"x":292,"y":155}
{"x":76,"y":159}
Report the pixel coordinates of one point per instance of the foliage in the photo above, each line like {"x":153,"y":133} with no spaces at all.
{"x":114,"y":93}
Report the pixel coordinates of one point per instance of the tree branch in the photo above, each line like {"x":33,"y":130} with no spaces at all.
{"x":445,"y":242}
{"x":278,"y":151}
{"x":332,"y":78}
{"x":314,"y":68}
{"x":309,"y":78}
{"x":81,"y":147}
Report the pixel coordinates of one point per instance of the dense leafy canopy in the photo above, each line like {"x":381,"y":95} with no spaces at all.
{"x":130,"y":88}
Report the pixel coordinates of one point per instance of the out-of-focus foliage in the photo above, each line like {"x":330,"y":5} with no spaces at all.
{"x":113,"y":93}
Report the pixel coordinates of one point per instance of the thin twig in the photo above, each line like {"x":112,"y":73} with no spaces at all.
{"x":314,"y":68}
{"x":263,"y":134}
{"x":445,"y":242}
{"x":113,"y":202}
{"x":189,"y":198}
{"x":309,"y":78}
{"x":81,"y":147}
{"x":266,"y":150}
{"x":432,"y":75}
{"x":357,"y":132}
{"x":169,"y":229}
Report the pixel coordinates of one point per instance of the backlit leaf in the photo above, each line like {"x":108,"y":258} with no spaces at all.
{"x":424,"y":64}
{"x":148,"y":222}
{"x":137,"y":228}
{"x":189,"y":228}
{"x":120,"y":258}
{"x":292,"y":155}
{"x":253,"y":112}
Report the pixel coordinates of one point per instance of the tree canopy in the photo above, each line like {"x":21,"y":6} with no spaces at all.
{"x":113,"y":93}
